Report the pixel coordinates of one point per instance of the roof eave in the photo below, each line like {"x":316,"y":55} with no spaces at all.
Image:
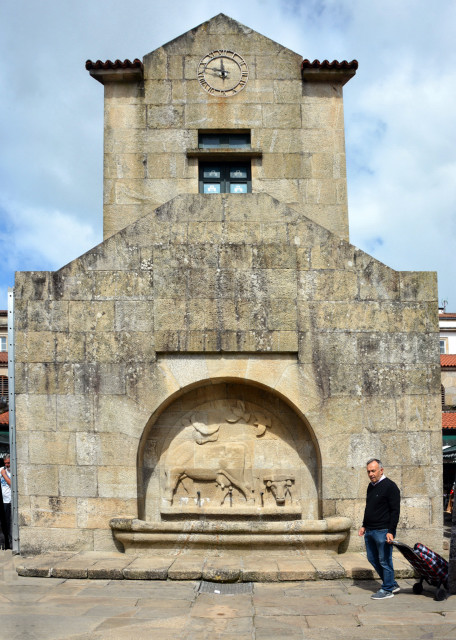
{"x":117,"y":71}
{"x":117,"y":75}
{"x":332,"y":72}
{"x":323,"y":75}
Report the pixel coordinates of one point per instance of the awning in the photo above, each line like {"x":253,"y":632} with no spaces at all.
{"x":449,"y":454}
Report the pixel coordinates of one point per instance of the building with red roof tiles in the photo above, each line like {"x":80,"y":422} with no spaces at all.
{"x":447,"y":360}
{"x":449,"y":420}
{"x":447,"y":328}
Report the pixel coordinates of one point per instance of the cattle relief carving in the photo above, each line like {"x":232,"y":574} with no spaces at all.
{"x":228,"y":458}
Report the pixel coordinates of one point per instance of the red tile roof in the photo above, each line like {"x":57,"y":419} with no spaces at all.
{"x":447,"y":315}
{"x":330,"y":66}
{"x":448,"y":360}
{"x":3,"y":357}
{"x":117,"y":64}
{"x":117,"y":71}
{"x":4,"y":418}
{"x":326,"y":71}
{"x":449,"y":420}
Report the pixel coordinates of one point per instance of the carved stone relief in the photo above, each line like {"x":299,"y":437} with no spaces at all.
{"x":232,"y":457}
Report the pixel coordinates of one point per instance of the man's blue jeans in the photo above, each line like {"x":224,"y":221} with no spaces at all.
{"x":380,"y":555}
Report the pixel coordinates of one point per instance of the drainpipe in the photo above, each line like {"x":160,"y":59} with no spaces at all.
{"x":12,"y":422}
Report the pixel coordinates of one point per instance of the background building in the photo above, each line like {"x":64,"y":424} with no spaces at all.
{"x":447,"y":324}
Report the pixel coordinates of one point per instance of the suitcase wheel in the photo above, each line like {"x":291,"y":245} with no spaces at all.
{"x":440,"y":594}
{"x":418,"y":587}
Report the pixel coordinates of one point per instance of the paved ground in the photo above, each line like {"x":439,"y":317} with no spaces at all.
{"x":213,"y":565}
{"x":85,"y":609}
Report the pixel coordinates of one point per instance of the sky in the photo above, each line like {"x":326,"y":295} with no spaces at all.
{"x":399,"y":118}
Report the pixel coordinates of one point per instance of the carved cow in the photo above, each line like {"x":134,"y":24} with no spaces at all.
{"x":223,"y":463}
{"x":280,"y":487}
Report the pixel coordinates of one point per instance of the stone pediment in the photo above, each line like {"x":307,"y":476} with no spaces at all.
{"x":221,"y":31}
{"x":236,"y":273}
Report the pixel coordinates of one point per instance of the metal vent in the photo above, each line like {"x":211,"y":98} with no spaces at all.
{"x":225,"y":588}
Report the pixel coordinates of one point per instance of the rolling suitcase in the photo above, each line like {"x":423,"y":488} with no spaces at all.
{"x":429,"y":566}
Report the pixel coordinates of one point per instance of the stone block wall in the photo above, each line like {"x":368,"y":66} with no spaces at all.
{"x":238,"y":289}
{"x":298,"y":126}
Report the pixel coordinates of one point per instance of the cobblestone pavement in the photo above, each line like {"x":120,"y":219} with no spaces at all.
{"x":84,"y":609}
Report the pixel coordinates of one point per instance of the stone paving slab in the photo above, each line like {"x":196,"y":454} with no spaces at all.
{"x":74,"y":567}
{"x":89,"y":609}
{"x":327,"y":567}
{"x":186,"y":568}
{"x":296,"y":569}
{"x":259,"y":570}
{"x":222,"y":568}
{"x":148,"y":568}
{"x":109,"y":568}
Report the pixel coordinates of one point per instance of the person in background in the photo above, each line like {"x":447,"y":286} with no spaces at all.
{"x":5,"y":481}
{"x":4,"y":544}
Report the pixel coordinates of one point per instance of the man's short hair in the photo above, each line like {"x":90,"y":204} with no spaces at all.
{"x":379,"y":462}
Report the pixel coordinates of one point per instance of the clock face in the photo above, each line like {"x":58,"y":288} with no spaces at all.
{"x":223,"y":73}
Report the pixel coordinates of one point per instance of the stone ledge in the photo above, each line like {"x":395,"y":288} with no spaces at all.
{"x":224,"y":568}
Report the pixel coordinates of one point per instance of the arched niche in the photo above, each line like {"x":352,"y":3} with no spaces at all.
{"x":228,"y":450}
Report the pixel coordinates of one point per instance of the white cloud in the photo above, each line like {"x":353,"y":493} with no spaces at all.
{"x":42,"y":239}
{"x":398,"y":113}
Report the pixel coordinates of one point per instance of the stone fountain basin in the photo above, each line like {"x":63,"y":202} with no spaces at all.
{"x":142,"y":538}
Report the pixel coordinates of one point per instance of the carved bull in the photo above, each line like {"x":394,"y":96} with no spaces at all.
{"x":280,"y":487}
{"x":223,"y":463}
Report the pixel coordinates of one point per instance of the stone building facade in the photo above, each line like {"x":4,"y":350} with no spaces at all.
{"x":217,"y":371}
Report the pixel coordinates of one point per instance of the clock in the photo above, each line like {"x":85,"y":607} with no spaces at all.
{"x":223,"y":73}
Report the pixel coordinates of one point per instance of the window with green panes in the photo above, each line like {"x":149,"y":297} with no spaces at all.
{"x":224,"y":177}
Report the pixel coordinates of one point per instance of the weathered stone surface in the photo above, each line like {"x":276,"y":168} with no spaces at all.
{"x":39,"y":479}
{"x":35,"y":539}
{"x":95,"y":513}
{"x":222,"y":570}
{"x":257,"y":569}
{"x":155,"y":568}
{"x":109,"y":568}
{"x":327,"y":567}
{"x":53,"y":511}
{"x":186,"y":568}
{"x":41,"y":567}
{"x":197,"y":302}
{"x":296,"y":569}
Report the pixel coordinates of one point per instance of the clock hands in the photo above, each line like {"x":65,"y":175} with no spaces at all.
{"x":221,"y":72}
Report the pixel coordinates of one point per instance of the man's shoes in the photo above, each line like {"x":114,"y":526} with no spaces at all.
{"x":396,"y":588}
{"x":382,"y":595}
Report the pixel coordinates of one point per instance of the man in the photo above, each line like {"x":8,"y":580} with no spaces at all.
{"x":5,"y":481}
{"x":381,"y":516}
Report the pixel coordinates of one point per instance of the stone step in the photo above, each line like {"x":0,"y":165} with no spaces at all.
{"x":223,"y":568}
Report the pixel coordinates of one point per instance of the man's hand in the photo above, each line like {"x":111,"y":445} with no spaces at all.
{"x":361,"y":531}
{"x":389,"y":538}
